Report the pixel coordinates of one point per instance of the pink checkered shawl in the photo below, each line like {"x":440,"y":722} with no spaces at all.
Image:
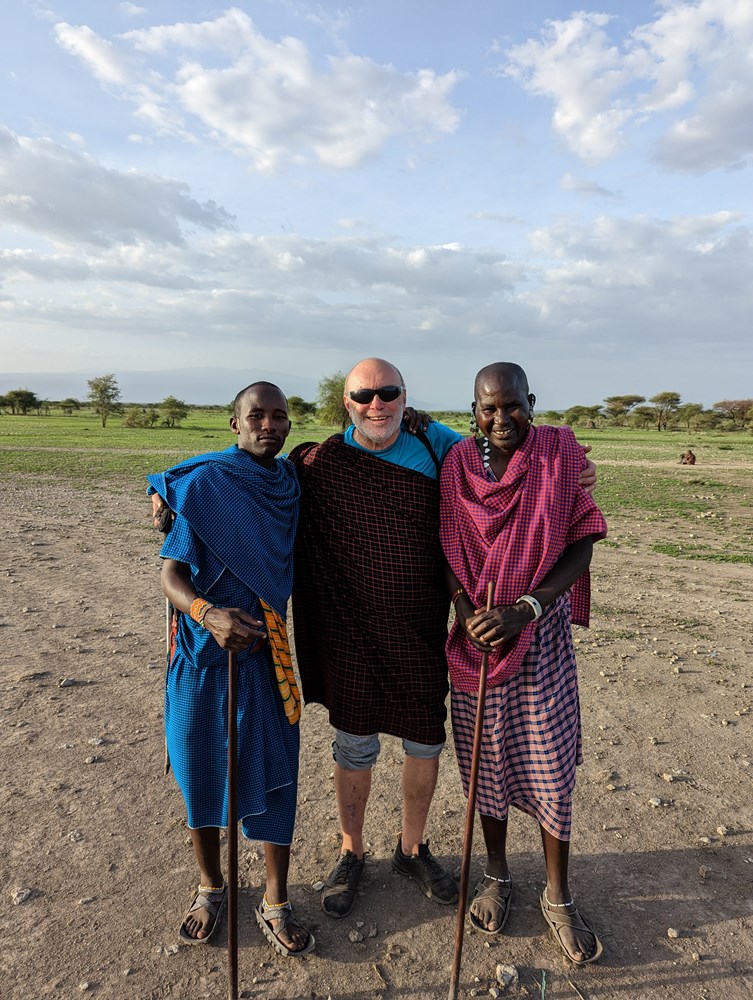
{"x":512,"y":533}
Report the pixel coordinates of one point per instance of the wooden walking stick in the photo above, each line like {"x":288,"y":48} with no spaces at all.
{"x":232,"y":826}
{"x":470,"y":813}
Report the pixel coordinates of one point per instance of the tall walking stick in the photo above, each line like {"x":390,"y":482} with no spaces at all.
{"x":470,"y":812}
{"x":232,"y":826}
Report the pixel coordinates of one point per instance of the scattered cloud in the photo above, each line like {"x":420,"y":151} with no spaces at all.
{"x":269,"y":100}
{"x":589,"y":189}
{"x":688,"y":71}
{"x":67,"y":195}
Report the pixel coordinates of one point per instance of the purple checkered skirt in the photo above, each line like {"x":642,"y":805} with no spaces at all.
{"x":532,"y":738}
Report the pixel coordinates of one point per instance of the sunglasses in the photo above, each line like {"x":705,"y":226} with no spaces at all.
{"x":387,"y":393}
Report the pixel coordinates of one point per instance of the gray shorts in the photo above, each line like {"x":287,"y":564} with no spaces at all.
{"x":359,"y":753}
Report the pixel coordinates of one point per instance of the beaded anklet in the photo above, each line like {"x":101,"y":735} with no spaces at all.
{"x":546,"y":900}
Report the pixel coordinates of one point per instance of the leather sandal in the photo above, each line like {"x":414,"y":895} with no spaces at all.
{"x":499,"y":894}
{"x":286,"y":916}
{"x":211,"y":900}
{"x":574,"y":921}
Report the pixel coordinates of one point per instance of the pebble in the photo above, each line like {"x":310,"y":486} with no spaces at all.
{"x":75,"y":835}
{"x":66,"y":682}
{"x":317,"y":886}
{"x":669,"y":777}
{"x":703,"y":871}
{"x":655,"y":802}
{"x":355,"y":937}
{"x":86,"y":900}
{"x":695,"y":956}
{"x":672,"y":932}
{"x":506,"y":975}
{"x":722,"y":831}
{"x":96,"y":741}
{"x":84,"y":986}
{"x":21,"y":895}
{"x":91,"y":760}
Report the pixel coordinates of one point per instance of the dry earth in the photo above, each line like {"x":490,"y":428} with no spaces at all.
{"x":96,"y":864}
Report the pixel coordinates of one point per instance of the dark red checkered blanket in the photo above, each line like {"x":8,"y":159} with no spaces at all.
{"x":369,"y":601}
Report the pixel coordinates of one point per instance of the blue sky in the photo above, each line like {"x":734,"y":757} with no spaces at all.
{"x":194,"y":195}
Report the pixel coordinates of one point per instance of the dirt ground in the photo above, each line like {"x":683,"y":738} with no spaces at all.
{"x":95,"y":858}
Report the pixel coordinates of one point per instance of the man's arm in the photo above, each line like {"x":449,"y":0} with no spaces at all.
{"x":232,"y":628}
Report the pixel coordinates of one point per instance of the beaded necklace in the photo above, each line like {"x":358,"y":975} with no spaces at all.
{"x":486,"y":458}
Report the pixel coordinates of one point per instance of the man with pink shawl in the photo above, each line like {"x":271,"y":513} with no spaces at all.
{"x":513,"y":514}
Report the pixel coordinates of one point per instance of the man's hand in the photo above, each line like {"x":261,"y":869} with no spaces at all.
{"x":234,"y":628}
{"x":588,"y":475}
{"x":162,"y":516}
{"x":487,"y":629}
{"x":416,"y":420}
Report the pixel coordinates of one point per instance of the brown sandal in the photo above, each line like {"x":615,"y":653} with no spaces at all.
{"x":574,"y":921}
{"x":499,"y":894}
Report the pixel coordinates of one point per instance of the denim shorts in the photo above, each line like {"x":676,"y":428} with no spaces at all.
{"x":359,"y":753}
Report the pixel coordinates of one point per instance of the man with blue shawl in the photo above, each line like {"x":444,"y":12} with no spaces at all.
{"x":228,"y":570}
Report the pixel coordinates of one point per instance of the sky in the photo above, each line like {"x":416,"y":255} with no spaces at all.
{"x":195,"y":195}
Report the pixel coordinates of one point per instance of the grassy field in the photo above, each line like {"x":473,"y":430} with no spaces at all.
{"x":640,"y":478}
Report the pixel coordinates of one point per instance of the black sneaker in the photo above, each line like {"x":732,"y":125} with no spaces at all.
{"x":424,"y":869}
{"x":339,"y":893}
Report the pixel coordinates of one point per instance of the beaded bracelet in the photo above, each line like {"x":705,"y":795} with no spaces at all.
{"x":198,"y":609}
{"x":457,"y":595}
{"x":203,"y":613}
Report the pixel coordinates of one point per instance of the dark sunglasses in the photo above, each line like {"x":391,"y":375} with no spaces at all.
{"x":385,"y":392}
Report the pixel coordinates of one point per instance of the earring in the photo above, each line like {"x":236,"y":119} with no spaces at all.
{"x":530,"y":416}
{"x":473,"y":425}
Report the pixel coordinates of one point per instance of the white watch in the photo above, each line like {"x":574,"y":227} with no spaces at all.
{"x":532,"y":603}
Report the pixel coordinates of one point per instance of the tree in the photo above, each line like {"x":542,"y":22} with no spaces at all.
{"x":69,"y":405}
{"x":736,"y":409}
{"x":173,"y":410}
{"x":688,"y":414}
{"x":104,"y":395}
{"x":642,"y":417}
{"x":299,"y":409}
{"x":619,"y":406}
{"x":551,"y":417}
{"x":135,"y":416}
{"x":581,"y":416}
{"x":21,"y":401}
{"x":331,"y":408}
{"x":665,"y":404}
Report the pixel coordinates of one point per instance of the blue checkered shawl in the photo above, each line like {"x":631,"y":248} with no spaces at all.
{"x":245,"y":514}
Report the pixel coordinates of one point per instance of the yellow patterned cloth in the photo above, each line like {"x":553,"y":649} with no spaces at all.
{"x":278,"y":642}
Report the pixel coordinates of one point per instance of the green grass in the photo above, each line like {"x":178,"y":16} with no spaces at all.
{"x":704,"y":552}
{"x":639,"y":476}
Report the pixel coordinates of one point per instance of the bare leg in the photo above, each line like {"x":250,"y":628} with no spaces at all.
{"x":419,"y":782}
{"x":206,"y":846}
{"x":277,"y":861}
{"x":352,"y":790}
{"x":580,"y":944}
{"x":495,"y":838}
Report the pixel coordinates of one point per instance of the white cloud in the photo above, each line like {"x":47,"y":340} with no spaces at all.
{"x":650,"y":279}
{"x":67,"y":195}
{"x":692,"y":60}
{"x":132,"y":9}
{"x":582,"y":186}
{"x":264,"y":99}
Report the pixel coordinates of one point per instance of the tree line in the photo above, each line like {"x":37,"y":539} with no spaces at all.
{"x":663,"y":411}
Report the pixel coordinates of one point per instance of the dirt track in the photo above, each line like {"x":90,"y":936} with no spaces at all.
{"x":96,"y":834}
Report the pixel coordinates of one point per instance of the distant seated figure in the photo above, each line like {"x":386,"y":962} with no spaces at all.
{"x":688,"y":458}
